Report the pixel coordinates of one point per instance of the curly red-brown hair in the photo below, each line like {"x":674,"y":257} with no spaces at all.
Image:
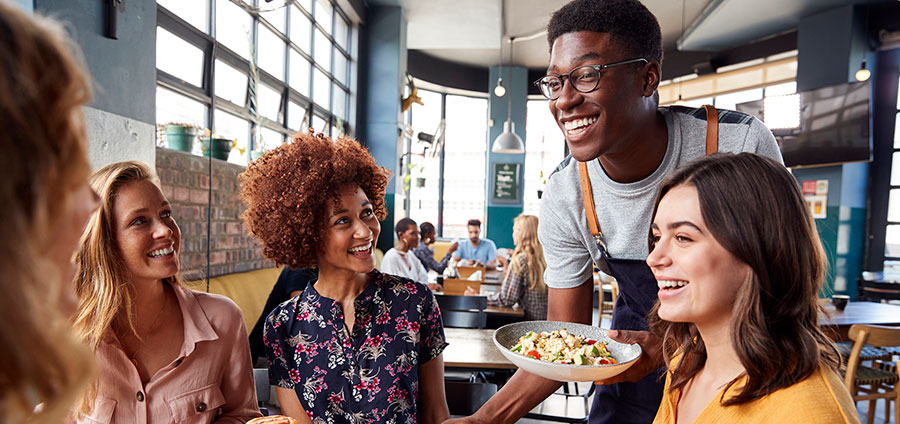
{"x":286,"y":192}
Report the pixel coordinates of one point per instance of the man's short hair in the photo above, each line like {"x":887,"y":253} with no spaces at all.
{"x":403,"y":225}
{"x":426,"y":228}
{"x":632,"y":26}
{"x":475,"y":222}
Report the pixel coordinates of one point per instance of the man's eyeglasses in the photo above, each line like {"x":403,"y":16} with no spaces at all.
{"x":583,"y":78}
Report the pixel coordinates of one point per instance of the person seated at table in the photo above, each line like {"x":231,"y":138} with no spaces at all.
{"x":356,"y":345}
{"x":426,"y":254}
{"x":739,"y":265}
{"x":290,"y":283}
{"x":46,"y":203}
{"x":165,"y":353}
{"x":400,"y":260}
{"x":524,"y":280}
{"x":476,"y":251}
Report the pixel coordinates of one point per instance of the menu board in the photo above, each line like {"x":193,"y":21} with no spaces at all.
{"x":506,"y":182}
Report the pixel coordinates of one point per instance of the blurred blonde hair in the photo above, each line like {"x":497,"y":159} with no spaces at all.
{"x":101,"y":281}
{"x":42,"y":88}
{"x":533,"y":252}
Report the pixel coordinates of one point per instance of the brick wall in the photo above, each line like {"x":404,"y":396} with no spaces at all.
{"x":186,"y":183}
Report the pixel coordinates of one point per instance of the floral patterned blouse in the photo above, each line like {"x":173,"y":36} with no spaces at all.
{"x":369,"y":375}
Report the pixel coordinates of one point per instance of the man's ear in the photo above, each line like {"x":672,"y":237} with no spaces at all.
{"x":650,"y":74}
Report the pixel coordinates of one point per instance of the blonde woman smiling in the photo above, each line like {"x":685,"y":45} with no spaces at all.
{"x":165,"y":353}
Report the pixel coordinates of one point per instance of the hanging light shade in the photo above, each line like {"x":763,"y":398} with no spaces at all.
{"x":499,"y":90}
{"x":863,"y":74}
{"x":508,"y":141}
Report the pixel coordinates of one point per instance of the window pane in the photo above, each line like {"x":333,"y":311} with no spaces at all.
{"x":697,"y":102}
{"x":897,"y":132}
{"x":296,"y":115}
{"x":781,"y":89}
{"x":234,"y":27}
{"x":231,"y":84}
{"x":299,"y":78}
{"x":275,"y":16}
{"x":423,"y":201}
{"x":178,"y":57}
{"x":464,"y":190}
{"x":307,"y":4}
{"x":895,"y":170}
{"x":892,"y":241}
{"x":271,"y":53}
{"x":301,"y":29}
{"x":322,"y":53}
{"x":340,"y":67}
{"x":232,"y":127}
{"x":323,"y":14}
{"x":194,"y":12}
{"x":321,"y":86}
{"x":894,"y":206}
{"x":728,"y":101}
{"x":173,"y":107}
{"x":339,"y":102}
{"x":544,"y":149}
{"x":319,"y":124}
{"x":269,"y":102}
{"x":782,"y":111}
{"x":341,"y":30}
{"x":269,"y":139}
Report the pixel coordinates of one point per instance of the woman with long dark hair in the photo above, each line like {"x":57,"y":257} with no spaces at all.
{"x":739,"y":264}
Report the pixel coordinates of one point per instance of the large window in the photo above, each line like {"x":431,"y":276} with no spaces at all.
{"x":544,"y":150}
{"x":892,"y":232}
{"x":300,"y":50}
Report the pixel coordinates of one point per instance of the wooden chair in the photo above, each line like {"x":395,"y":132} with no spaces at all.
{"x":465,"y":271}
{"x":882,"y":377}
{"x":457,"y":287}
{"x":876,"y":291}
{"x":464,"y":398}
{"x":461,"y":303}
{"x":607,"y":308}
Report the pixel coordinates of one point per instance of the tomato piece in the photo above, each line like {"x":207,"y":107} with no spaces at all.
{"x":603,"y":361}
{"x":589,"y":342}
{"x":534,"y":354}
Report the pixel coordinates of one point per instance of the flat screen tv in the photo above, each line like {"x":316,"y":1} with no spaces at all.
{"x":834,"y":127}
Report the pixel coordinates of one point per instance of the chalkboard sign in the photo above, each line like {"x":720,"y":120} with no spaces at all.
{"x":506,"y":181}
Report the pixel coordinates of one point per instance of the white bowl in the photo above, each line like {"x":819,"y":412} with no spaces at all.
{"x":625,"y":354}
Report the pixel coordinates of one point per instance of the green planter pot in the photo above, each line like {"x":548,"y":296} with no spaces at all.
{"x":180,"y":137}
{"x":256,"y":154}
{"x":221,"y":147}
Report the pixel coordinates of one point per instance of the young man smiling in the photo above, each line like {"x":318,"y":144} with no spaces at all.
{"x":604,"y":70}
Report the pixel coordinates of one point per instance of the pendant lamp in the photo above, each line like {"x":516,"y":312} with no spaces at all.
{"x":508,"y":141}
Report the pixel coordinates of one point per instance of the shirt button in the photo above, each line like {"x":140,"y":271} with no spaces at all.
{"x":201,"y":407}
{"x":140,"y":396}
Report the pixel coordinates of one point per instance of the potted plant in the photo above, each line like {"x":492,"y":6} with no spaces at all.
{"x":180,"y":136}
{"x":540,"y":191}
{"x":221,"y":147}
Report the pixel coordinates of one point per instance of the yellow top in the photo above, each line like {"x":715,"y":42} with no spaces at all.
{"x":820,"y":398}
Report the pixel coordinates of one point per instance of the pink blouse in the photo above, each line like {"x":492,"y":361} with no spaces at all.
{"x":210,"y":381}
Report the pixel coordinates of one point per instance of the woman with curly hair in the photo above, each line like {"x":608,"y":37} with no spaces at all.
{"x":356,"y":345}
{"x":46,"y":203}
{"x":524,"y":281}
{"x":739,"y":264}
{"x":165,"y":353}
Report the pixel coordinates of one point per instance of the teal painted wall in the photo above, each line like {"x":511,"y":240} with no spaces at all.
{"x":385,"y":75}
{"x":500,"y":215}
{"x":26,"y":5}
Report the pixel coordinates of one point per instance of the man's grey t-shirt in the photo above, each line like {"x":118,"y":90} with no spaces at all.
{"x":624,"y":210}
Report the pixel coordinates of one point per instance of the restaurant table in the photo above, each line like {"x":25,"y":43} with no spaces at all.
{"x":473,"y":349}
{"x":506,"y":311}
{"x":838,"y":324}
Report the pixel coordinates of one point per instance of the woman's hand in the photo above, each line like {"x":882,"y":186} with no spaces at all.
{"x":470,"y":291}
{"x":651,"y":355}
{"x":453,"y":247}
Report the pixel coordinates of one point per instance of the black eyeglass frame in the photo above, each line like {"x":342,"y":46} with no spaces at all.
{"x":597,"y":68}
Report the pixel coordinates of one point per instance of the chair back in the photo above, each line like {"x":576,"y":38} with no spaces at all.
{"x":862,"y":334}
{"x":465,"y":271}
{"x":876,"y":291}
{"x":464,"y":319}
{"x":461,"y":303}
{"x":457,"y":287}
{"x":464,"y":398}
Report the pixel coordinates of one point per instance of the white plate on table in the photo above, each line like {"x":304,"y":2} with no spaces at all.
{"x":508,"y":336}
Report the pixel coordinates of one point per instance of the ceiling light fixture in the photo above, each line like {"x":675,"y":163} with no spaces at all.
{"x":508,"y":141}
{"x":499,"y":91}
{"x":863,"y":74}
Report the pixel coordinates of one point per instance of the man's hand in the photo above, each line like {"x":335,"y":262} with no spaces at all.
{"x":470,"y":291}
{"x":651,"y":355}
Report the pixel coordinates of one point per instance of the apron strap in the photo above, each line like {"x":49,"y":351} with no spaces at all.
{"x":712,"y":146}
{"x":712,"y":130}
